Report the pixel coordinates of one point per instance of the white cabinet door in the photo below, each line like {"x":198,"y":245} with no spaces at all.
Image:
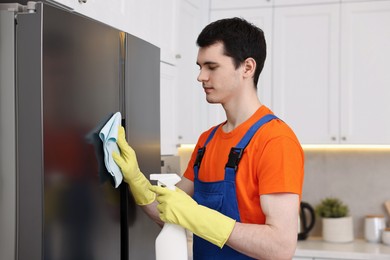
{"x":155,"y":22}
{"x":306,"y":71}
{"x":365,"y":77}
{"x":192,"y":105}
{"x":261,"y":17}
{"x":167,"y":20}
{"x":168,"y":109}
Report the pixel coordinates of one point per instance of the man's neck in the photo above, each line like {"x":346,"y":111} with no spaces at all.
{"x":239,"y":112}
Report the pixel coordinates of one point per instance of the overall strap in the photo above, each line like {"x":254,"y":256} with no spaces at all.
{"x":237,"y":151}
{"x":202,"y":150}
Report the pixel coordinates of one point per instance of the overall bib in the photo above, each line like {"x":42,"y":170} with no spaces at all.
{"x":221,"y":195}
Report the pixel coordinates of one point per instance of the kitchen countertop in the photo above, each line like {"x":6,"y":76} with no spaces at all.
{"x":358,"y":249}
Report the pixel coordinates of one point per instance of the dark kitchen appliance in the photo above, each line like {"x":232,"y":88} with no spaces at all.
{"x":61,"y":76}
{"x":307,"y":220}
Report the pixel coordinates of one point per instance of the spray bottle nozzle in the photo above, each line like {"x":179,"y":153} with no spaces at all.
{"x":166,"y":179}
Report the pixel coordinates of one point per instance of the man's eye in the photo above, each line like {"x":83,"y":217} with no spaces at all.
{"x":213,"y":67}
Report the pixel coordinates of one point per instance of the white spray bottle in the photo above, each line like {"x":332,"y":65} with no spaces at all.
{"x":171,"y":243}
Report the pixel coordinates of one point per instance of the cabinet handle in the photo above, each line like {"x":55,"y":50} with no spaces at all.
{"x":82,"y":1}
{"x":344,"y":138}
{"x":333,"y":138}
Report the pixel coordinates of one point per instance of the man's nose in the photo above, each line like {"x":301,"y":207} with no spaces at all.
{"x":202,"y":76}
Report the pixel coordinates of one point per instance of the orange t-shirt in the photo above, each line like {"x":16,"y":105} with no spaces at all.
{"x":272,"y":163}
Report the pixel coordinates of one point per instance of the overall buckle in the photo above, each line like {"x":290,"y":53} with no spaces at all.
{"x":199,"y":156}
{"x":234,"y":157}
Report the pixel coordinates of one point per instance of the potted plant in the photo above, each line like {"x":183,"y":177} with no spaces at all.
{"x":337,"y":225}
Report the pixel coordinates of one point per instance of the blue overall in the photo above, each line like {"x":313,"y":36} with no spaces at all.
{"x":221,"y":195}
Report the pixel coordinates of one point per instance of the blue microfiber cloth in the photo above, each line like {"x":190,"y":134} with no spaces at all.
{"x":109,"y":134}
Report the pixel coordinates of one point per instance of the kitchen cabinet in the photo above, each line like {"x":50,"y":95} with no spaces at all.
{"x":329,"y":71}
{"x":328,"y":63}
{"x":365,"y":77}
{"x":192,"y":105}
{"x":168,"y":109}
{"x":167,"y":23}
{"x":306,"y":70}
{"x":262,"y":17}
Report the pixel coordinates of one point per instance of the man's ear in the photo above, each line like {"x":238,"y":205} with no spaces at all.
{"x":249,"y":67}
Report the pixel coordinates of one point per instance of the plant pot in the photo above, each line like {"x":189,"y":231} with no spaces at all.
{"x":337,"y":230}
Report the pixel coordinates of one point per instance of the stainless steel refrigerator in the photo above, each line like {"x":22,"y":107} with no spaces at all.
{"x":61,"y":77}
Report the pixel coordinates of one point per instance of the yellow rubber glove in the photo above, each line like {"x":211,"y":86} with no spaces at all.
{"x":127,"y":162}
{"x":178,"y":208}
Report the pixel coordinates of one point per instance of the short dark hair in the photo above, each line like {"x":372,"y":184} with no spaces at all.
{"x":241,"y":40}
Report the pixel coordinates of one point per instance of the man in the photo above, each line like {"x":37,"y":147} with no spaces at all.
{"x":240,"y":203}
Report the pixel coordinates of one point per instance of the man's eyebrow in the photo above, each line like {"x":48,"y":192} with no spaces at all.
{"x":207,"y":63}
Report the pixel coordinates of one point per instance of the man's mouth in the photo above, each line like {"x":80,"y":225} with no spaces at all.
{"x":207,"y":90}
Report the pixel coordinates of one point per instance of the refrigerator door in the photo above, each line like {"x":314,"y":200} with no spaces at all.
{"x":82,"y":81}
{"x":142,"y":95}
{"x":69,"y":74}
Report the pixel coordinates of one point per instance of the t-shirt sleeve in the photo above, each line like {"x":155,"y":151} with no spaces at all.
{"x":189,"y":172}
{"x":281,"y":166}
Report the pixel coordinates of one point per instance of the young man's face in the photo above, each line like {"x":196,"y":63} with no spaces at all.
{"x":218,"y":75}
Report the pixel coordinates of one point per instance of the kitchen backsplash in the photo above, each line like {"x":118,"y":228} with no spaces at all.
{"x":360,"y":178}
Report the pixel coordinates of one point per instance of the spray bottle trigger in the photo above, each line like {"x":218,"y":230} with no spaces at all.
{"x":166,"y":179}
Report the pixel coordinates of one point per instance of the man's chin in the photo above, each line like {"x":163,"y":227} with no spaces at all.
{"x":211,"y":100}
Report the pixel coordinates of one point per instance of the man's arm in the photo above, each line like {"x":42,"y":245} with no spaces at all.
{"x":277,"y":238}
{"x":186,"y":185}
